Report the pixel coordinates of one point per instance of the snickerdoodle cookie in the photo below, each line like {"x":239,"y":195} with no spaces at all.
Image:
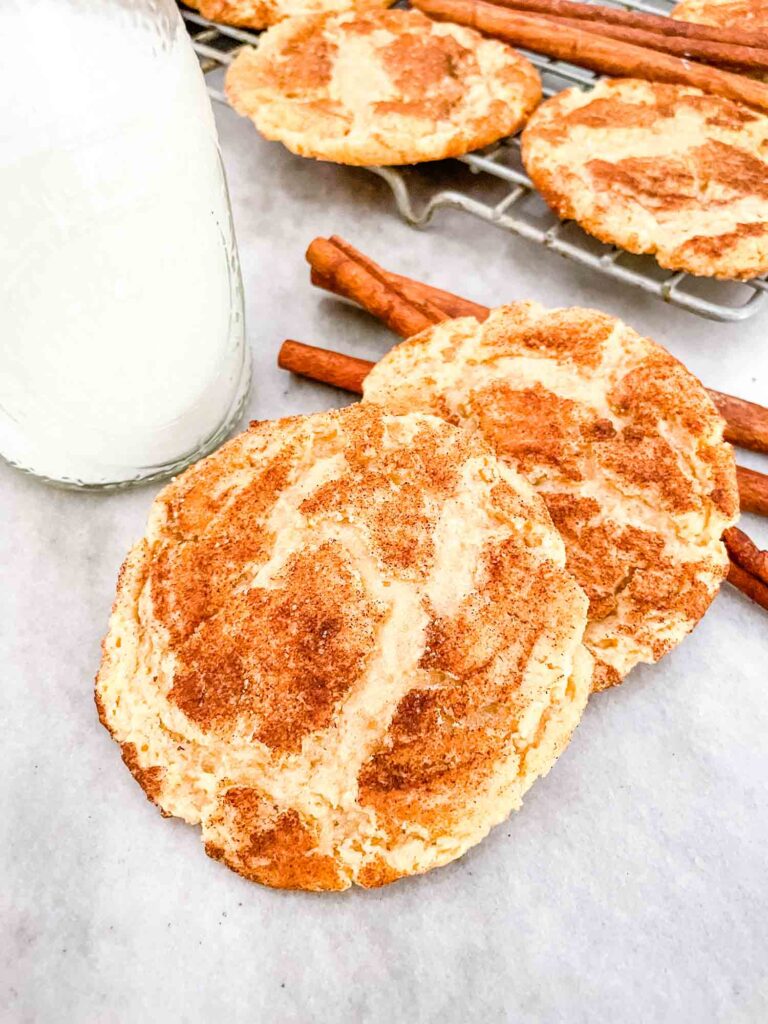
{"x":660,"y":169}
{"x":346,"y":646}
{"x":263,"y":13}
{"x":389,"y":87}
{"x":621,"y":441}
{"x":740,"y":14}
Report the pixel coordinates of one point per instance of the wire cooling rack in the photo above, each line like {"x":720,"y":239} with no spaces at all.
{"x":492,"y":185}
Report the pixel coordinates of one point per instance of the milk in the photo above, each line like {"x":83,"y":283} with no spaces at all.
{"x":121,"y":330}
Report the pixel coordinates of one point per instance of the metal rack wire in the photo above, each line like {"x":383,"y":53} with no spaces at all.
{"x":493,"y":186}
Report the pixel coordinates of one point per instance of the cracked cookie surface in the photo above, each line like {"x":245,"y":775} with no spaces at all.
{"x":618,"y":437}
{"x":345,"y":647}
{"x":661,"y":169}
{"x":390,"y":87}
{"x":739,"y":14}
{"x":258,"y":14}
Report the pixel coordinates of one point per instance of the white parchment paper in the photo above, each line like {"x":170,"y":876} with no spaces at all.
{"x":633,"y":885}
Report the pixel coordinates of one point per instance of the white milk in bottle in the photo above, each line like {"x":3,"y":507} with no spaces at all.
{"x":122,"y":353}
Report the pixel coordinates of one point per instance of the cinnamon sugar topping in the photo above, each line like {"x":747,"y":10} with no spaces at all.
{"x":385,"y":88}
{"x":345,"y":647}
{"x":621,"y":441}
{"x":659,"y":169}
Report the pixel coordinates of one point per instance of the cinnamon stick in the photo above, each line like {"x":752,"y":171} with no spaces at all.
{"x":356,"y":277}
{"x":726,"y":55}
{"x":748,"y":584}
{"x":746,"y":422}
{"x":748,"y":570}
{"x":452,"y":305}
{"x":605,"y":56}
{"x":414,"y":291}
{"x":753,"y":490}
{"x":660,"y":23}
{"x":324,"y":366}
{"x":746,"y":554}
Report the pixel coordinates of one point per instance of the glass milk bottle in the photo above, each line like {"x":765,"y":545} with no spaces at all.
{"x":122,"y":352}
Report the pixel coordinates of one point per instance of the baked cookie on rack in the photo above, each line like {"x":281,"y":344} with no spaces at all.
{"x":748,"y":15}
{"x":744,"y":14}
{"x":660,"y":169}
{"x":386,"y":88}
{"x":346,"y":646}
{"x":260,"y":14}
{"x":621,"y":441}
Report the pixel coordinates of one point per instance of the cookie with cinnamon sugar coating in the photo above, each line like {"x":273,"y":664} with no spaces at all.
{"x":655,"y":168}
{"x":751,"y":15}
{"x":618,"y":437}
{"x":260,"y":14}
{"x":345,"y":647}
{"x":389,"y":87}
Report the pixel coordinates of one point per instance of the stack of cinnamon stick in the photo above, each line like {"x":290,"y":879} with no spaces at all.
{"x":407,"y":307}
{"x":624,"y":44}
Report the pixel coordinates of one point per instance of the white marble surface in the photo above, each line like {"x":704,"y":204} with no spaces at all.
{"x":632,"y":886}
